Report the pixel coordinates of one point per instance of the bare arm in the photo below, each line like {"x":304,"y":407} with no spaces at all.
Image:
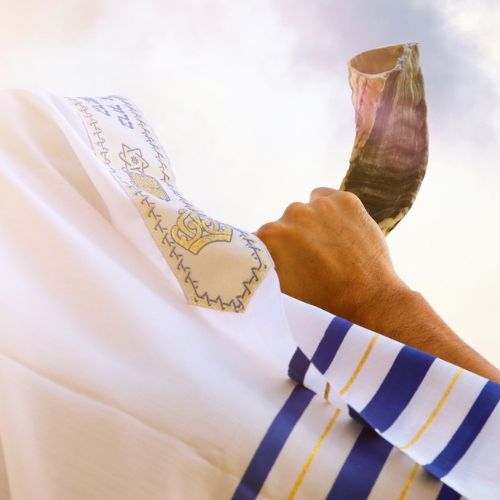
{"x":330,"y":253}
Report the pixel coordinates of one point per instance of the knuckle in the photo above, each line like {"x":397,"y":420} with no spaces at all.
{"x":265,"y":230}
{"x":317,"y":191}
{"x":296,"y":209}
{"x":321,"y":192}
{"x":269,"y":231}
{"x":349,"y":199}
{"x":323,"y":202}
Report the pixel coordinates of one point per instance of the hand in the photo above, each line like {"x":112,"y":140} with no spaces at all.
{"x":331,"y":253}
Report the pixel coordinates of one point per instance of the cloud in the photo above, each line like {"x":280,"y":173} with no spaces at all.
{"x":460,"y":92}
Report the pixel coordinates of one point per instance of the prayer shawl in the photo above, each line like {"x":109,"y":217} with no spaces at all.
{"x":147,"y":353}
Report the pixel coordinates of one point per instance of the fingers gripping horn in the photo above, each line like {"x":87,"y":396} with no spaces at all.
{"x":390,"y":152}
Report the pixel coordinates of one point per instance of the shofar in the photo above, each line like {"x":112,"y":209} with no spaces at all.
{"x":390,"y":151}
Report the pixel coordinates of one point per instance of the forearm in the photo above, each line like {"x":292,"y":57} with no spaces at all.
{"x":332,"y":254}
{"x":405,"y":315}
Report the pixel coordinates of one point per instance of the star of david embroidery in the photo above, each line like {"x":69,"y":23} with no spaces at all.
{"x":133,"y":158}
{"x":217,"y":266}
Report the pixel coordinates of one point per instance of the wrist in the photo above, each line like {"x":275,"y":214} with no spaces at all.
{"x":387,"y":309}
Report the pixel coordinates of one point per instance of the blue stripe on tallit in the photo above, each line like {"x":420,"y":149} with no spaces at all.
{"x":298,"y":366}
{"x":272,"y":443}
{"x":283,"y":424}
{"x":330,"y":343}
{"x":470,"y":427}
{"x":397,"y":389}
{"x":356,"y":416}
{"x":326,"y":350}
{"x":447,"y":493}
{"x":362,"y":467}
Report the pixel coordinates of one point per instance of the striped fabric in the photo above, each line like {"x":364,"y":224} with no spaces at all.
{"x":412,"y":407}
{"x":115,"y":384}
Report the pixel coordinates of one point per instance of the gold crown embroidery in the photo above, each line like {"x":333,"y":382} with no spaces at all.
{"x":193,"y":231}
{"x":223,"y":277}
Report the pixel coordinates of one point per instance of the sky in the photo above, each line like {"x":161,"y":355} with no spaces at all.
{"x":251,"y":101}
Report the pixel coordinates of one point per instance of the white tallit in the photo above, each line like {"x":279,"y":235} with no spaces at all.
{"x":146,"y":351}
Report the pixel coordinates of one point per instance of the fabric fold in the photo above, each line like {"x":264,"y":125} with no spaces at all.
{"x":265,"y":396}
{"x":432,"y":410}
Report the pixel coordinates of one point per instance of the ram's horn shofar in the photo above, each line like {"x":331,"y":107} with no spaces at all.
{"x":390,"y":151}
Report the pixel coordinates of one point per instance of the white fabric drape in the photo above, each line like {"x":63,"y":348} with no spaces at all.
{"x":114,"y":384}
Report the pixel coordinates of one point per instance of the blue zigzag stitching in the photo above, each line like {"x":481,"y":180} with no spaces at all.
{"x":235,"y":304}
{"x":151,"y":138}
